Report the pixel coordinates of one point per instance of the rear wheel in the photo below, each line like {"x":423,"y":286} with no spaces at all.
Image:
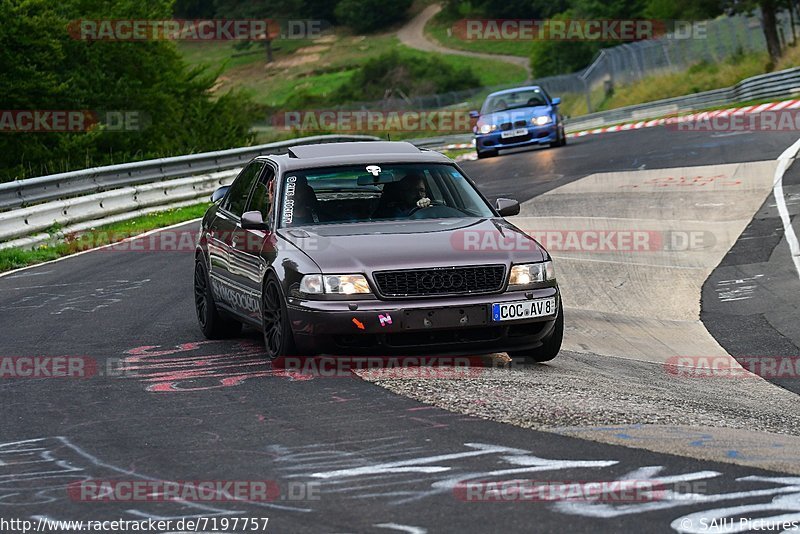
{"x":214,"y":324}
{"x":278,"y":336}
{"x":486,"y":154}
{"x":550,"y":347}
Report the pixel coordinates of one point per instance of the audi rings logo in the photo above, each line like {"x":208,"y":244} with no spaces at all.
{"x":442,"y":281}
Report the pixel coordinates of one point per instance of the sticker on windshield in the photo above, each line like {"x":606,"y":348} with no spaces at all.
{"x":288,"y":202}
{"x":374,"y":170}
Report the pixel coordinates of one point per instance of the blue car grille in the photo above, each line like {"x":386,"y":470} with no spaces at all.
{"x":516,"y":124}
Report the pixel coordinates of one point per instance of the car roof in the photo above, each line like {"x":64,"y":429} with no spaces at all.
{"x":354,"y":153}
{"x":516,"y":89}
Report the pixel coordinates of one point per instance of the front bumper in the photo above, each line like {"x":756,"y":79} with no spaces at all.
{"x":536,"y":135}
{"x":443,"y":326}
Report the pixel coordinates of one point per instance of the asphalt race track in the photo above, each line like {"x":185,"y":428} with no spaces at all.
{"x":348,"y":455}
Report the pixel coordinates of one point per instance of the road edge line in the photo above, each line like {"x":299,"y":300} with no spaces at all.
{"x":114,"y":244}
{"x":785,"y":161}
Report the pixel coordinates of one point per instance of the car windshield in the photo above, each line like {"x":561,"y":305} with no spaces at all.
{"x":514,"y":100}
{"x":366,"y":193}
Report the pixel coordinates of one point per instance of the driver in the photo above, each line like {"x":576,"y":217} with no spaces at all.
{"x":401,"y":198}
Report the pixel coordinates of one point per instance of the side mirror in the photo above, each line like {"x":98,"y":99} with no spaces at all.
{"x":219,"y":193}
{"x":252,"y":220}
{"x":507,"y":207}
{"x":474,"y":114}
{"x":556,"y":101}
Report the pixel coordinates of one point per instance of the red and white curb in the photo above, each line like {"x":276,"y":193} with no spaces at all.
{"x":703,"y":115}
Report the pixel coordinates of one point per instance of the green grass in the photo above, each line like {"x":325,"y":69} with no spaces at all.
{"x":14,"y":258}
{"x":440,"y":28}
{"x":222,"y":54}
{"x":321,"y":68}
{"x":698,"y":78}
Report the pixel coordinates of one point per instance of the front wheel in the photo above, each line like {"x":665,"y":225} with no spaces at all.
{"x":278,"y":336}
{"x":214,"y":324}
{"x":561,"y":138}
{"x":549,"y":348}
{"x":486,"y":153}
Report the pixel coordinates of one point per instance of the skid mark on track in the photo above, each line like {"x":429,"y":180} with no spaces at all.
{"x":43,"y":471}
{"x":200,"y":366}
{"x":392,"y":469}
{"x":62,"y":298}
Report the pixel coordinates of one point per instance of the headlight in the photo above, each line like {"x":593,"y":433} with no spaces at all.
{"x":311,"y":284}
{"x":525,"y":275}
{"x":334,"y":284}
{"x":541,"y":121}
{"x":487,"y":128}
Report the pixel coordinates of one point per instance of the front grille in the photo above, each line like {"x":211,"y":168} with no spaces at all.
{"x":517,"y":124}
{"x":444,"y":281}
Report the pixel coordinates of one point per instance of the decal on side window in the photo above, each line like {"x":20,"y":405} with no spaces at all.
{"x":288,"y":202}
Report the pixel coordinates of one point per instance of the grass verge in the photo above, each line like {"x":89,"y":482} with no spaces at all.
{"x":64,"y":245}
{"x":318,"y":67}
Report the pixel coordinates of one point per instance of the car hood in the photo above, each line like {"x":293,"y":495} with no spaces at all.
{"x":499,"y":117}
{"x":367,"y":247}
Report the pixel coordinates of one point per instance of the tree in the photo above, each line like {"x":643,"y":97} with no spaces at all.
{"x":769,"y":21}
{"x":44,"y":68}
{"x":365,"y":16}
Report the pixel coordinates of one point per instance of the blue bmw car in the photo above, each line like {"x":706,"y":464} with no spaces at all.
{"x":518,"y":117}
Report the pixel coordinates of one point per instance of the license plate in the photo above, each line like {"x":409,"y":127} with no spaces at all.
{"x":514,"y":133}
{"x":462,"y":316}
{"x":524,"y":309}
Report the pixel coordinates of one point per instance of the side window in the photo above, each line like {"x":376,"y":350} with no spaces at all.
{"x":236,"y":199}
{"x":433,"y":187}
{"x":263,"y":194}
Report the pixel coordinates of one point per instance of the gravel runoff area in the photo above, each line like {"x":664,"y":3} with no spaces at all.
{"x":577,"y":394}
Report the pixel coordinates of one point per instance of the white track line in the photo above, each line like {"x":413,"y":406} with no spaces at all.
{"x":115,"y":244}
{"x":784,"y":161}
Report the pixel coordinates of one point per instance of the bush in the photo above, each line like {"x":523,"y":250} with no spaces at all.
{"x":44,"y":68}
{"x":415,"y":75}
{"x":366,"y":16}
{"x":550,"y":58}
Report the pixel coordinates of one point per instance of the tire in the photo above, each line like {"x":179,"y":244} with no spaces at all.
{"x":213,"y":323}
{"x":486,"y":154}
{"x":278,"y":336}
{"x":561,"y":139}
{"x":549,"y":348}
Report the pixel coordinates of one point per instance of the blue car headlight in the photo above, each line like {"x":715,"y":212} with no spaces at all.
{"x":487,"y":128}
{"x":541,"y":121}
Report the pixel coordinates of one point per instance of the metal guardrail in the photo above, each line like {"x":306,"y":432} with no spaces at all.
{"x":771,"y":85}
{"x":29,"y":221}
{"x":20,"y":193}
{"x":105,"y":191}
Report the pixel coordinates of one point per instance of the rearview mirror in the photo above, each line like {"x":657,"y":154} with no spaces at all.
{"x":556,"y":101}
{"x":252,"y":220}
{"x":474,"y":114}
{"x":219,"y":193}
{"x":371,"y":179}
{"x":507,"y":207}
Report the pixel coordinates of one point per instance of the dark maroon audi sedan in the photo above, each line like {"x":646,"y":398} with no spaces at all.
{"x":372,"y":248}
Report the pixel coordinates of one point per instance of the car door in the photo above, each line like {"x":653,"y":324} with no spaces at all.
{"x":253,"y":251}
{"x":224,"y":237}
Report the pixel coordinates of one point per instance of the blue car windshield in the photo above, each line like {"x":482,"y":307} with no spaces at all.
{"x":514,"y":100}
{"x":368,"y":193}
